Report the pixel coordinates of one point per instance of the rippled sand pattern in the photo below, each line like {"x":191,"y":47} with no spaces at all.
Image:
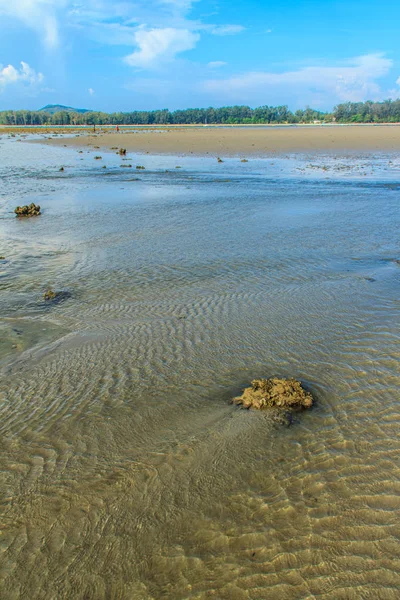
{"x":125,"y":472}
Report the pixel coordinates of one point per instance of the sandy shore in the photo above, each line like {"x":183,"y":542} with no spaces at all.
{"x":238,"y":141}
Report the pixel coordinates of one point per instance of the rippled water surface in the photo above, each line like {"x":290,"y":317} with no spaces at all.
{"x":125,"y":471}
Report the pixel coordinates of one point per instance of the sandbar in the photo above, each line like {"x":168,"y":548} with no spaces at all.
{"x":238,"y":141}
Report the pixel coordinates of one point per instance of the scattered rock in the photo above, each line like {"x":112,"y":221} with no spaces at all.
{"x":122,"y":151}
{"x":275,"y":393}
{"x":244,"y":160}
{"x":61,"y":169}
{"x":50,"y":295}
{"x":2,"y":258}
{"x":140,"y":167}
{"x":104,"y":167}
{"x":97,"y":158}
{"x":126,"y":166}
{"x":27,"y":211}
{"x":219,"y":160}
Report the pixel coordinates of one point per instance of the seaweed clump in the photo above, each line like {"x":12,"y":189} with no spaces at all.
{"x":30,"y":210}
{"x":275,"y":393}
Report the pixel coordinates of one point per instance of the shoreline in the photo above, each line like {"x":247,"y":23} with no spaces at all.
{"x":225,"y":141}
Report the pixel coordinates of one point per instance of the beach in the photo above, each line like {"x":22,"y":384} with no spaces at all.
{"x":240,"y":141}
{"x":126,"y":471}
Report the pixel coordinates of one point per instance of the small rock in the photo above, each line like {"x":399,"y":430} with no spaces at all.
{"x":50,"y":295}
{"x":27,"y":211}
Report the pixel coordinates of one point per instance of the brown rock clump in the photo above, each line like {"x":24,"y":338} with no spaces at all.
{"x":275,"y":393}
{"x":27,"y":211}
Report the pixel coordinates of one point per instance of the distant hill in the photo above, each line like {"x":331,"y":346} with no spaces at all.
{"x":55,"y":108}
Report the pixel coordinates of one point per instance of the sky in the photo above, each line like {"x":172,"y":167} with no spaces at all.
{"x":113,"y":55}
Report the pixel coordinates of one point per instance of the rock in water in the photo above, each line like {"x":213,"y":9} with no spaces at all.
{"x":50,"y":295}
{"x":275,"y":393}
{"x":27,"y":211}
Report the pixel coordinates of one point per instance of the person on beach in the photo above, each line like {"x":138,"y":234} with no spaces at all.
{"x":117,"y":128}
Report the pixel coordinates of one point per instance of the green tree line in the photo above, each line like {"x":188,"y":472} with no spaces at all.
{"x":349,"y":112}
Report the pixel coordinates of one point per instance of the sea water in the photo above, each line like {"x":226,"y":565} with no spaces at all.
{"x":126,"y":473}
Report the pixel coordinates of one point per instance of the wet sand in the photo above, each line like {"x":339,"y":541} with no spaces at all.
{"x":240,"y":141}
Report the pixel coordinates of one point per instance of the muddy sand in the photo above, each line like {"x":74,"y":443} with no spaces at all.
{"x":238,"y":141}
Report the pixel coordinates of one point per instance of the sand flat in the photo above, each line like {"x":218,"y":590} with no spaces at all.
{"x":240,"y":141}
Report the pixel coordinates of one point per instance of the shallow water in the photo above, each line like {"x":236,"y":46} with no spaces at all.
{"x":125,"y":472}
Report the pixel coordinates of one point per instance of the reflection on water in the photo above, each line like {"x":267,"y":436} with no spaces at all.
{"x":125,"y":472}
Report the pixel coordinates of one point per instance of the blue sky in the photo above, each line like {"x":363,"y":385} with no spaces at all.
{"x":126,"y":55}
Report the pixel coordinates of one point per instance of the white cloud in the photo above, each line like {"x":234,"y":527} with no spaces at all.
{"x":39,"y":15}
{"x":354,"y":80}
{"x":156,"y":46}
{"x":184,"y":5}
{"x":216,"y":64}
{"x":91,"y":91}
{"x":227,"y":29}
{"x":26,"y":75}
{"x":398,"y":81}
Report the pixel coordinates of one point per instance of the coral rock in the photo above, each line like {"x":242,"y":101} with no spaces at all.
{"x":275,"y":393}
{"x":27,"y":211}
